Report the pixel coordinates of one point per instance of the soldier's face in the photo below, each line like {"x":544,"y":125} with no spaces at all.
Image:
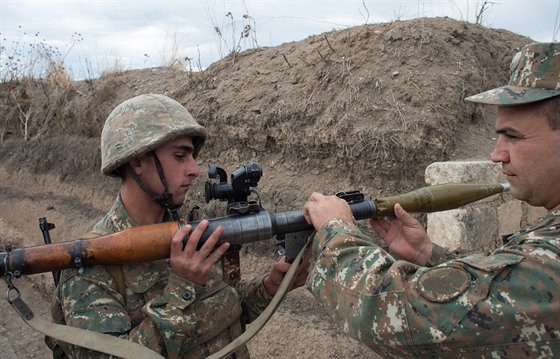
{"x":178,"y":164}
{"x":529,"y":151}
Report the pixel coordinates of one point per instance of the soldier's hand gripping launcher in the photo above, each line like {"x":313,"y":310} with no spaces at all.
{"x":246,"y":222}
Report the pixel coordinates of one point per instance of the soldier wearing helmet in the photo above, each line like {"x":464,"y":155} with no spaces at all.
{"x":181,"y":307}
{"x":137,"y":128}
{"x":421,"y":301}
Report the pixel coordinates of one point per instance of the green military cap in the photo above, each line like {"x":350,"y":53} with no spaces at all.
{"x":535,"y":76}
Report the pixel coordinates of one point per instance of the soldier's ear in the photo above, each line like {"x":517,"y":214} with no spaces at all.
{"x":136,"y":166}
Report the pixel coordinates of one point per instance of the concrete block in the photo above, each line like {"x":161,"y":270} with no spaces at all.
{"x":510,"y":215}
{"x":534,"y":214}
{"x":474,"y":226}
{"x":464,"y":229}
{"x":464,"y":172}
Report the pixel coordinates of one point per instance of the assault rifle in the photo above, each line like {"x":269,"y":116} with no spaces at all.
{"x":246,"y":222}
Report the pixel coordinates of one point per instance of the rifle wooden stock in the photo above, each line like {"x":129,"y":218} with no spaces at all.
{"x":151,"y":242}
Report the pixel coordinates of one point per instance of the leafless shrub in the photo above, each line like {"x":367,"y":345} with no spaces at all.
{"x":24,"y":116}
{"x":240,"y":40}
{"x":33,"y":57}
{"x":481,"y":9}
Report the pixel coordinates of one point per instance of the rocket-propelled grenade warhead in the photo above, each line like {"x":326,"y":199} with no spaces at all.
{"x":438,"y":198}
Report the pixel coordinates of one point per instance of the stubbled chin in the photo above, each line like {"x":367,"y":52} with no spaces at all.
{"x":524,"y":196}
{"x":179,"y":197}
{"x":515,"y":192}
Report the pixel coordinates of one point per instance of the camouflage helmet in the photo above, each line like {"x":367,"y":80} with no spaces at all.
{"x":535,"y":76}
{"x":142,"y":124}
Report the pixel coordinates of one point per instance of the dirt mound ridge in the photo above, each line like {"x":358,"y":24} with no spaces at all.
{"x":377,"y":103}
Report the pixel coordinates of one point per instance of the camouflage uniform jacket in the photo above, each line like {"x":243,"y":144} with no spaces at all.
{"x":160,"y":310}
{"x":502,"y":305}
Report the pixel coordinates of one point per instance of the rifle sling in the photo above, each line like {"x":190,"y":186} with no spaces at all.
{"x":99,"y":342}
{"x":303,"y":256}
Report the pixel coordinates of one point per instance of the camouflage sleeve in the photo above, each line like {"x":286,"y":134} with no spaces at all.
{"x":191,"y":318}
{"x":254,"y":298}
{"x":90,"y":301}
{"x":439,"y":255}
{"x":173,"y":314}
{"x":500,"y":305}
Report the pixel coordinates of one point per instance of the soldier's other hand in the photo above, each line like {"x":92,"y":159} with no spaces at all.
{"x":404,"y":235}
{"x":273,"y":280}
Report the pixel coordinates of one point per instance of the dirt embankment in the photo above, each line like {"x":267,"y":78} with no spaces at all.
{"x":365,"y":108}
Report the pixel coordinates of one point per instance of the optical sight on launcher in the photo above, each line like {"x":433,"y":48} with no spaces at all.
{"x":236,"y":193}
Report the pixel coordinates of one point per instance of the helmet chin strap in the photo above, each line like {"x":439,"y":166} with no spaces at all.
{"x":164,"y":199}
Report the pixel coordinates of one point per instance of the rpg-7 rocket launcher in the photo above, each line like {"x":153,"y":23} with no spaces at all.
{"x":246,"y":222}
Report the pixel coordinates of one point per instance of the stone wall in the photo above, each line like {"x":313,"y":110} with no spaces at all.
{"x":476,"y":227}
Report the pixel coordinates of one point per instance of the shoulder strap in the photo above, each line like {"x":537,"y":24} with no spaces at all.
{"x":56,"y":332}
{"x":100,"y":342}
{"x":303,"y":257}
{"x":114,"y":270}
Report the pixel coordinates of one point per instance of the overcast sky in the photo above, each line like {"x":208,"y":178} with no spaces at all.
{"x":97,"y":36}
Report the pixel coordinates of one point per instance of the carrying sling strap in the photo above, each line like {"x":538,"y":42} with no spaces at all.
{"x":303,"y":257}
{"x":96,"y":341}
{"x":116,"y":271}
{"x":100,"y":342}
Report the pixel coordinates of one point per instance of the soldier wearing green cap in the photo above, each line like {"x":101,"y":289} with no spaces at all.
{"x":180,"y":307}
{"x":419,"y":301}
